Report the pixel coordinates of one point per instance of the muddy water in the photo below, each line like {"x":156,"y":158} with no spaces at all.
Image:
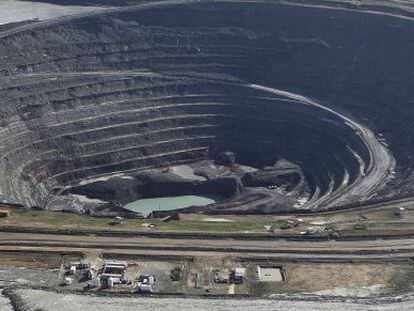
{"x":145,"y":206}
{"x":50,"y":301}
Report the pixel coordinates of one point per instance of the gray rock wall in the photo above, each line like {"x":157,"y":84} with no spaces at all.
{"x":172,"y":84}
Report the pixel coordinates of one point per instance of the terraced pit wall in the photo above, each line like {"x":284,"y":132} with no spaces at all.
{"x":324,"y":86}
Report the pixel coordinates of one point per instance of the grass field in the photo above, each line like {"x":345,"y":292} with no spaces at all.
{"x":384,"y":222}
{"x":55,"y":220}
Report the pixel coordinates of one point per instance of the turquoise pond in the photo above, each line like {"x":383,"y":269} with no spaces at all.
{"x":145,"y":206}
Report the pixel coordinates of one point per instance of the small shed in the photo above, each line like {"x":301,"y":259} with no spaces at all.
{"x":240,"y":272}
{"x":222,"y":276}
{"x":238,"y":276}
{"x":72,"y":270}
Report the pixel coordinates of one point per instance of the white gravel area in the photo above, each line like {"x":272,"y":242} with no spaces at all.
{"x":4,"y":303}
{"x":16,"y":11}
{"x":215,"y":219}
{"x":50,"y":301}
{"x":186,"y":171}
{"x":354,"y":291}
{"x":85,"y":199}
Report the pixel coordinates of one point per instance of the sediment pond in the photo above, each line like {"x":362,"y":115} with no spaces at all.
{"x":146,"y":206}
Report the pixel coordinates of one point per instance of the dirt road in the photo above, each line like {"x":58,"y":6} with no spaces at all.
{"x":368,"y":249}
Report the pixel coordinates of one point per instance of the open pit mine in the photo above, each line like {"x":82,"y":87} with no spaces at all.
{"x":253,"y":115}
{"x":276,"y":105}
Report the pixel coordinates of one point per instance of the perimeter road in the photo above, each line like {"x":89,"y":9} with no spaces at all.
{"x":369,"y":249}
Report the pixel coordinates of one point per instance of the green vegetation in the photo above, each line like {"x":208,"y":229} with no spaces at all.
{"x":49,"y":260}
{"x":402,"y":280}
{"x":49,"y":219}
{"x":238,"y":226}
{"x":381,"y":227}
{"x":71,"y":221}
{"x":386,"y":224}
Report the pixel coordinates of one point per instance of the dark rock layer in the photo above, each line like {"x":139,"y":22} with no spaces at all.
{"x":324,"y":87}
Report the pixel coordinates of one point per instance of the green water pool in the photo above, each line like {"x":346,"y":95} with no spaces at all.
{"x":146,"y":206}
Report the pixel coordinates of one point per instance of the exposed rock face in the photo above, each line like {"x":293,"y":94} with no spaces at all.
{"x":279,"y":175}
{"x":151,"y":184}
{"x":226,"y":158}
{"x":325,"y":85}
